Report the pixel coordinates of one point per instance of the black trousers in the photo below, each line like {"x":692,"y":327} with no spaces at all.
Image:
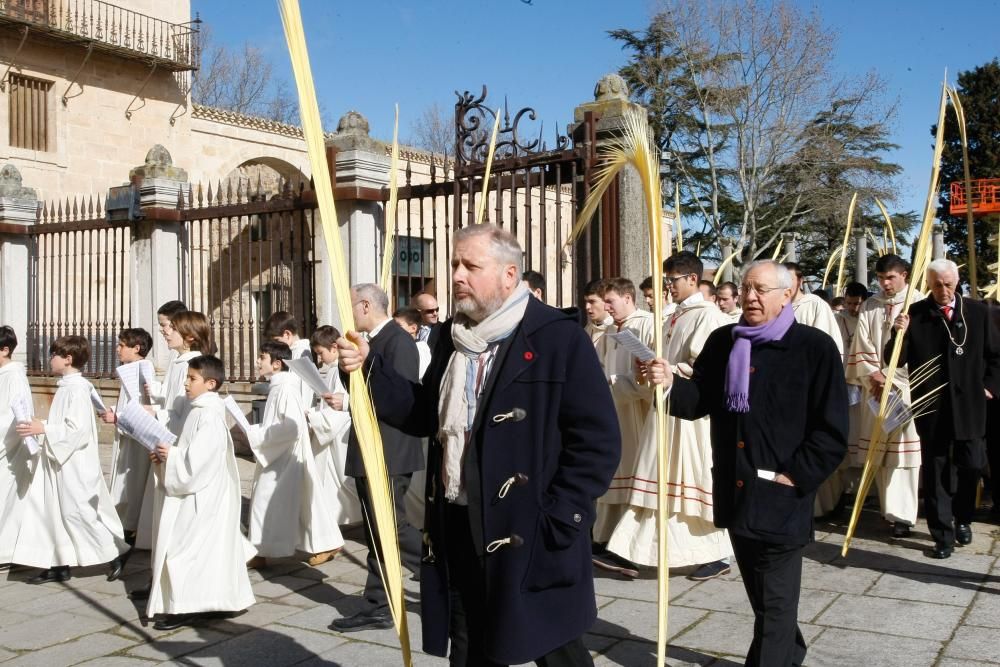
{"x":467,"y":594}
{"x":950,"y":473}
{"x":410,"y":539}
{"x":772,"y":577}
{"x":993,"y":449}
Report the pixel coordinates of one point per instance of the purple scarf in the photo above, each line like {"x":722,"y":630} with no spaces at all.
{"x":738,"y":368}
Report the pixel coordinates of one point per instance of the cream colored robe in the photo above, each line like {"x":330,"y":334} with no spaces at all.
{"x":632,"y":402}
{"x":898,"y":479}
{"x":81,"y":526}
{"x":129,"y":472}
{"x":330,"y":429}
{"x":17,"y":469}
{"x":597,"y":331}
{"x":693,"y":538}
{"x":289,"y":511}
{"x":199,"y":562}
{"x":733,"y":317}
{"x":812,"y":310}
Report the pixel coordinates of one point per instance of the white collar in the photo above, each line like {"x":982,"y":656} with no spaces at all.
{"x":697,"y":297}
{"x":377,"y":330}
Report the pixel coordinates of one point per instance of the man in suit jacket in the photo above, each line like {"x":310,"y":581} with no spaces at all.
{"x":524,"y":439}
{"x":952,"y":427}
{"x":776,"y":394}
{"x":403,"y":455}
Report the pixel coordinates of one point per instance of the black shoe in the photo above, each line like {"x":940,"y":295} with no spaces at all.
{"x":963,"y":533}
{"x":57,"y":574}
{"x":174,"y":621}
{"x":710,"y":571}
{"x":117,"y":566}
{"x":364,"y":620}
{"x":900,"y":530}
{"x":941,"y":551}
{"x":139,"y":594}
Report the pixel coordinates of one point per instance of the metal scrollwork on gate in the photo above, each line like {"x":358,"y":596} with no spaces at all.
{"x":474,"y":125}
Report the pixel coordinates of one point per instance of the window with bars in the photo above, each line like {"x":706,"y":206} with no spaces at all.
{"x":29,"y":112}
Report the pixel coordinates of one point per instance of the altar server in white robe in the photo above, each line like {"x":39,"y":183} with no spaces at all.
{"x":284,"y":328}
{"x":129,"y":459}
{"x":289,"y":511}
{"x":898,"y":478}
{"x":727,"y":299}
{"x":812,"y":310}
{"x":632,"y":399}
{"x":199,"y":562}
{"x":330,"y":422}
{"x":598,"y":320}
{"x":17,"y":463}
{"x":188,"y":335}
{"x":693,"y":538}
{"x":81,"y":525}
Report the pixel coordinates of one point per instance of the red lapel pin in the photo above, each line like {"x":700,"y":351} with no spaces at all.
{"x":528,"y":356}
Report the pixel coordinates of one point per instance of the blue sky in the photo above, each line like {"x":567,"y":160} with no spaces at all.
{"x":370,"y":55}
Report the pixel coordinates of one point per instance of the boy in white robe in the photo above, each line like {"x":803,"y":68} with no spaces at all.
{"x":82,"y":527}
{"x":898,"y":478}
{"x":17,"y":464}
{"x":289,"y":511}
{"x":693,"y":537}
{"x":129,"y":459}
{"x":598,"y":320}
{"x":199,"y":561}
{"x":283,"y":328}
{"x":632,"y":402}
{"x":727,"y":299}
{"x":330,"y":423}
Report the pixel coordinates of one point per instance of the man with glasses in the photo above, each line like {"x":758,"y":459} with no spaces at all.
{"x":427,"y":305}
{"x":775,"y":392}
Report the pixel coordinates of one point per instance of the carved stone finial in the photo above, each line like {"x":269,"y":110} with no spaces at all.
{"x":611,"y":87}
{"x":160,"y":156}
{"x":353,"y":123}
{"x":11,"y":184}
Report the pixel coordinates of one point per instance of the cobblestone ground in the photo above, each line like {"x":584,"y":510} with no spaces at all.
{"x":885,"y":604}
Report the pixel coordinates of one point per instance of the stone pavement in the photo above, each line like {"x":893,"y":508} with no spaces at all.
{"x":885,"y":604}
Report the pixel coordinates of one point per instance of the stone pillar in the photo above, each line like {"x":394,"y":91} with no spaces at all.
{"x":937,"y":242}
{"x":610,"y":104}
{"x":18,"y":207}
{"x":362,"y":163}
{"x":790,"y":246}
{"x":159,"y":269}
{"x":861,"y":257}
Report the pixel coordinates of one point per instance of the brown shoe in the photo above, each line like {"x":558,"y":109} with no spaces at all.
{"x":256,"y":563}
{"x":320,"y":558}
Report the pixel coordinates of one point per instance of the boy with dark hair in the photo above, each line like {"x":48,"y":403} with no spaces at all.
{"x":409,"y":319}
{"x":598,"y":319}
{"x":15,"y":455}
{"x":708,"y":290}
{"x":129,"y":459}
{"x":288,"y":510}
{"x":330,"y":424}
{"x":646,"y":287}
{"x":82,"y":527}
{"x":199,"y":558}
{"x":727,"y":299}
{"x":536,"y":283}
{"x":283,"y":327}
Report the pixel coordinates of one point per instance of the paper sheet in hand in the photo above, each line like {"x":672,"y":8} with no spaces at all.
{"x":306,"y":369}
{"x":853,"y":394}
{"x":633,"y":345}
{"x":134,"y":377}
{"x":143,"y":427}
{"x":95,"y":398}
{"x":899,"y":413}
{"x":234,"y":411}
{"x":22,"y":413}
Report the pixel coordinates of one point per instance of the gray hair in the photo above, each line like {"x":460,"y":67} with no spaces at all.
{"x":941,"y":266}
{"x":504,"y":247}
{"x":374,"y":295}
{"x":781,"y":271}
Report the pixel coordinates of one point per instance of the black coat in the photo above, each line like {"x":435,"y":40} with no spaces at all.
{"x":797,"y":425}
{"x":539,"y":593}
{"x":959,"y":411}
{"x":403,"y":453}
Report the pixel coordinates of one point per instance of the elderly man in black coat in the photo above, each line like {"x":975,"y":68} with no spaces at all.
{"x":776,"y":394}
{"x":958,"y":332}
{"x":524,"y":439}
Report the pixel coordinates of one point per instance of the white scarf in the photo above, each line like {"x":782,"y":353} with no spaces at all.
{"x":458,"y":400}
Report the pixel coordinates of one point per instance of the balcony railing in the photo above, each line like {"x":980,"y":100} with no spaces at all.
{"x":108,"y":27}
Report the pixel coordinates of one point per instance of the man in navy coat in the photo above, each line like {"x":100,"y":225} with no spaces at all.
{"x":776,"y":393}
{"x":524,"y":439}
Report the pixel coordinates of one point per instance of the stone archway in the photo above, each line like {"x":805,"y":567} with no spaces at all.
{"x":262,"y":177}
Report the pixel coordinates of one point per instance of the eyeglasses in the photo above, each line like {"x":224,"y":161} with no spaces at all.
{"x":428,"y":311}
{"x":759,"y":290}
{"x":672,"y":280}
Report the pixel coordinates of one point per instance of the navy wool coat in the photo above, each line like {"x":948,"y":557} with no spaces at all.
{"x":797,"y":425}
{"x":563,"y":451}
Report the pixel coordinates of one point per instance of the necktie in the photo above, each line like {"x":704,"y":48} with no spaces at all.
{"x":947,"y":312}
